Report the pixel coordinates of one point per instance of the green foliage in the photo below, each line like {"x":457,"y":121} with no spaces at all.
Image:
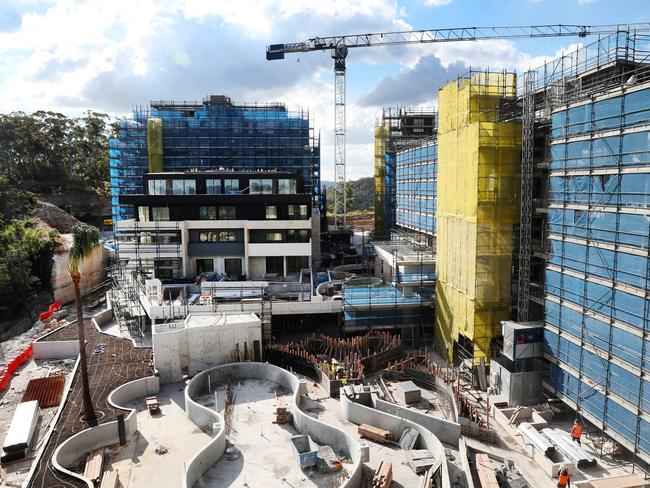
{"x":360,"y":195}
{"x":14,"y":203}
{"x":86,"y":238}
{"x":25,"y":254}
{"x":47,"y":151}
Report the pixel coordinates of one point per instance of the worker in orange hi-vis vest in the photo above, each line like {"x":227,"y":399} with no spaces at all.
{"x":563,"y":479}
{"x":576,"y":431}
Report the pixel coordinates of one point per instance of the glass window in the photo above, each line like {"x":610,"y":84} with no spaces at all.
{"x":286,"y":186}
{"x":232,"y":267}
{"x":296,"y":263}
{"x":213,"y":186}
{"x":227,"y":213}
{"x":204,"y":266}
{"x":183,"y":187}
{"x":143,"y":214}
{"x":230,"y":185}
{"x":274,"y":236}
{"x":157,"y":187}
{"x":208,"y":236}
{"x":303,"y":211}
{"x":271,"y":212}
{"x":227,"y":236}
{"x":261,"y":186}
{"x":275,"y":265}
{"x":208,"y":213}
{"x":297,"y":235}
{"x":160,"y":213}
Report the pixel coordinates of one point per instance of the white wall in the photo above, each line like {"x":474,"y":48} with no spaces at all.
{"x":256,"y":268}
{"x":194,"y":349}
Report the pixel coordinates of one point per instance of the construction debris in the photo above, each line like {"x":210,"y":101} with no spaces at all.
{"x":409,"y":439}
{"x":420,"y":460}
{"x":160,"y":450}
{"x":374,"y":433}
{"x":383,"y":476}
{"x":327,"y":461}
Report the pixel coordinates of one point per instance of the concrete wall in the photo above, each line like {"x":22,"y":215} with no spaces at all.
{"x":55,"y":349}
{"x":359,"y":413}
{"x":205,"y":418}
{"x":444,"y":430}
{"x":106,"y":434}
{"x":195,"y":349}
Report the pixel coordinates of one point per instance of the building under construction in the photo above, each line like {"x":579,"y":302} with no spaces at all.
{"x":542,"y":214}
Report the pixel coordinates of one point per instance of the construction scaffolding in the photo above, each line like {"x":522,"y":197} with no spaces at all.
{"x":479,"y":155}
{"x":416,"y":174}
{"x":597,"y":275}
{"x":399,"y":297}
{"x":398,"y":128}
{"x":209,"y":135}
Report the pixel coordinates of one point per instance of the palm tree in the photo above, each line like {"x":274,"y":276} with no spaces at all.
{"x":86,"y":239}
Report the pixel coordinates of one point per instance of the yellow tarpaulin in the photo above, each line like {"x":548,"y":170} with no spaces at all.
{"x":478,"y":205}
{"x":155,"y":145}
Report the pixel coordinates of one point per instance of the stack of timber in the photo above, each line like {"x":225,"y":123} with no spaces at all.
{"x":374,"y":433}
{"x":94,"y":465}
{"x":282,"y":415}
{"x":426,"y":481}
{"x":383,"y":476}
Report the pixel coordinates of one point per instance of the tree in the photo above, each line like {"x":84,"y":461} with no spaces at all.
{"x":25,"y":262}
{"x":86,"y":239}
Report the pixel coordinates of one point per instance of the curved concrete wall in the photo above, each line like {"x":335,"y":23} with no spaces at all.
{"x":358,"y":413}
{"x":203,"y":417}
{"x":444,"y":430}
{"x":105,"y":434}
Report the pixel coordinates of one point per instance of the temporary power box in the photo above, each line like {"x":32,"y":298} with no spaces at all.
{"x":522,"y":340}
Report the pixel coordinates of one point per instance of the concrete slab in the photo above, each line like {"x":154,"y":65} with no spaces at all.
{"x":407,"y":392}
{"x":260,"y":452}
{"x":138,"y":464}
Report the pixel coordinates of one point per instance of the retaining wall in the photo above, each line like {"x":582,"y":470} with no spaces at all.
{"x":55,"y":349}
{"x":105,"y":434}
{"x":444,"y":430}
{"x":203,"y":417}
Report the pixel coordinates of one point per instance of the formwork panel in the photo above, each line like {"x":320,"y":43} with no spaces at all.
{"x":478,"y":206}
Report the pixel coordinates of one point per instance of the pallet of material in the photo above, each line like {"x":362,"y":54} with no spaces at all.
{"x":374,"y":433}
{"x":94,"y":465}
{"x":153,"y":405}
{"x":21,"y":430}
{"x":111,"y":479}
{"x":383,"y":476}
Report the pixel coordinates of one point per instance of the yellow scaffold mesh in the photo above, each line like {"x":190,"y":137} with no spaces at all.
{"x":155,"y":145}
{"x":381,"y":134}
{"x":478,"y":205}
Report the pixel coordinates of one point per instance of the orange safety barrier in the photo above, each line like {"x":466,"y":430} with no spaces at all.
{"x":16,"y":363}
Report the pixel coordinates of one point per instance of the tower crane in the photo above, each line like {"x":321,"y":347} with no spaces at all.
{"x":339,"y":46}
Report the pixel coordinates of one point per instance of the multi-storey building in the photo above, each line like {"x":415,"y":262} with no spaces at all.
{"x":240,"y":225}
{"x":416,"y":175}
{"x":211,"y":135}
{"x":597,"y":276}
{"x":398,"y":129}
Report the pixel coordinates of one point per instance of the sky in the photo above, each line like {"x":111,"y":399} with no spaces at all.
{"x":71,"y":56}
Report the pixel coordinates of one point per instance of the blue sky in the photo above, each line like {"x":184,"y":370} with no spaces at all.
{"x":72,"y":56}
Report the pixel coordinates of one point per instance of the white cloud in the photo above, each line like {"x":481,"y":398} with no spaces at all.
{"x":71,"y":56}
{"x":437,"y":3}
